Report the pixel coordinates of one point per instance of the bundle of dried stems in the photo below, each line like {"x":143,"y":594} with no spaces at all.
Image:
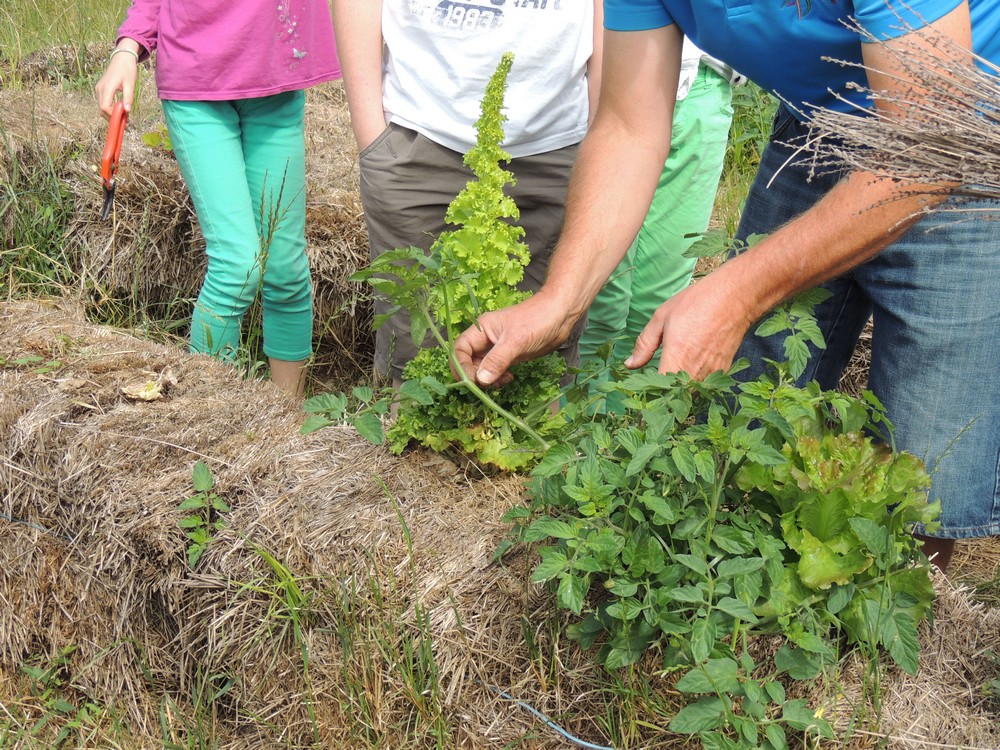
{"x":944,"y":128}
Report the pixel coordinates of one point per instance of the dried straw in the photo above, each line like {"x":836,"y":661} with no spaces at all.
{"x":854,"y":379}
{"x":392,"y":552}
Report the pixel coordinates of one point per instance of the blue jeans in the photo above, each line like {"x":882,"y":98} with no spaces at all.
{"x":935,"y":361}
{"x":244,"y":164}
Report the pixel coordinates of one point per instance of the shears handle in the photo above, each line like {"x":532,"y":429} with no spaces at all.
{"x":113,"y":144}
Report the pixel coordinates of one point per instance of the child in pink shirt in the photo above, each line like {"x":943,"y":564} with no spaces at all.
{"x":231,"y":77}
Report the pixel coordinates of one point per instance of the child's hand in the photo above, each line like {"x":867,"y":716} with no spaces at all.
{"x":120,"y":75}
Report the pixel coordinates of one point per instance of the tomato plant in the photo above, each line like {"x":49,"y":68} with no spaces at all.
{"x":713,"y":511}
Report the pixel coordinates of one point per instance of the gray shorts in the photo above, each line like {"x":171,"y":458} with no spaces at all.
{"x":407,"y":182}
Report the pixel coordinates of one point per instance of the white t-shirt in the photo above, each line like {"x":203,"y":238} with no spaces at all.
{"x":439,"y":55}
{"x":691,"y":59}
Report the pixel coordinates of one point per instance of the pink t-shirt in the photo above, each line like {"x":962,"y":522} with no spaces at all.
{"x":214,"y":50}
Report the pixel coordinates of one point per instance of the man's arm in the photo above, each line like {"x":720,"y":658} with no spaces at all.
{"x":596,"y":60}
{"x":701,"y":328}
{"x":357,"y":25}
{"x":612,"y":185}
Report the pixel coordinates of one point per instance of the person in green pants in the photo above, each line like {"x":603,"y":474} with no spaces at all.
{"x":231,"y":77}
{"x":654,"y":268}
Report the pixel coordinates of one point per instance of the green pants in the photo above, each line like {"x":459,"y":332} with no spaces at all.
{"x":654,"y":268}
{"x":244,"y":165}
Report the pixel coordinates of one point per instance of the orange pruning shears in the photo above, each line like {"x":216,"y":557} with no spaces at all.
{"x":112,"y":150}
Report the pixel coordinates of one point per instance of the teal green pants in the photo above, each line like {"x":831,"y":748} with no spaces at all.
{"x":244,"y":165}
{"x":654,"y":268}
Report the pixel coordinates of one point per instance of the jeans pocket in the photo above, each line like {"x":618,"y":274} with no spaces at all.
{"x":783,"y":122}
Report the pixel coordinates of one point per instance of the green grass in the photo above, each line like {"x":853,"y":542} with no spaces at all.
{"x":35,"y":209}
{"x":27,"y":26}
{"x":55,"y":710}
{"x":753,"y":109}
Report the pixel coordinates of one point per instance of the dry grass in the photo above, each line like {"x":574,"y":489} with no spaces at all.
{"x":950,"y":137}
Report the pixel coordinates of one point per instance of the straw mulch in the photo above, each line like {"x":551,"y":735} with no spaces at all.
{"x":95,"y":557}
{"x":390,"y":557}
{"x":854,"y":379}
{"x":149,"y":255}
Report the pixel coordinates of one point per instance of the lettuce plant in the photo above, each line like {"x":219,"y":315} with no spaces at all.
{"x":469,"y":270}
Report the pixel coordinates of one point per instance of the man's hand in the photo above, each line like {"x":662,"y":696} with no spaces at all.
{"x":515,"y":334}
{"x":700,"y":329}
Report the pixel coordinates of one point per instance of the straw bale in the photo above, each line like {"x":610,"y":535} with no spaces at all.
{"x":338,"y":237}
{"x":45,"y":115}
{"x":391,"y":554}
{"x":151,"y":250}
{"x":74,"y":466}
{"x":391,"y":551}
{"x":56,"y":64}
{"x":103,"y":475}
{"x":946,"y":702}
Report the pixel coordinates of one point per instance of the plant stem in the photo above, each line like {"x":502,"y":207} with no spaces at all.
{"x":478,"y":392}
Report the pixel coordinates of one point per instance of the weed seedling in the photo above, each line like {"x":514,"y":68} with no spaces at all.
{"x":51,"y":688}
{"x":204,"y":513}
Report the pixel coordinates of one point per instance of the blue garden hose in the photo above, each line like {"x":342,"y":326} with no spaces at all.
{"x":548,"y":722}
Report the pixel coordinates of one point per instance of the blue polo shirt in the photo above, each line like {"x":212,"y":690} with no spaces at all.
{"x":781,"y":45}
